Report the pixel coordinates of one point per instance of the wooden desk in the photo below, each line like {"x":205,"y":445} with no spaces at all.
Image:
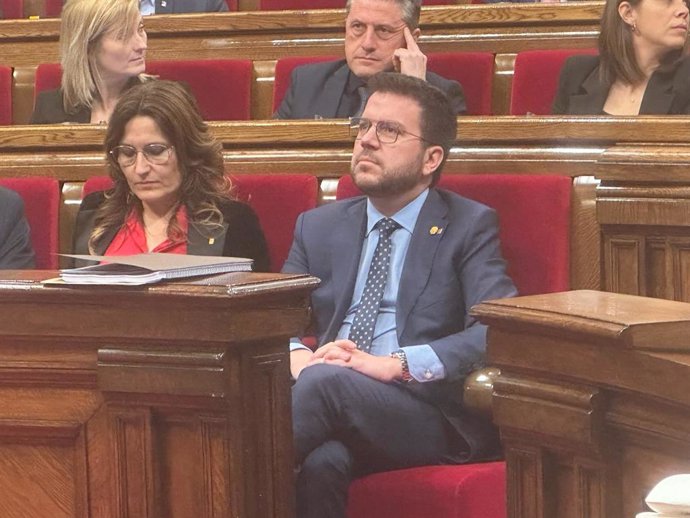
{"x":164,"y":401}
{"x":593,"y":401}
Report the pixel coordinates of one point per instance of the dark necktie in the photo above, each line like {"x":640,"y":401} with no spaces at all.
{"x":363,"y":96}
{"x":362,"y":329}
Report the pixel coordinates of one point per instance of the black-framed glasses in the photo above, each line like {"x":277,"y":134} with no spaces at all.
{"x":126,"y":155}
{"x":386,"y":131}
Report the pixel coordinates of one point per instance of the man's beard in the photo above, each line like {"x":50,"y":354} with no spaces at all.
{"x":389,"y":182}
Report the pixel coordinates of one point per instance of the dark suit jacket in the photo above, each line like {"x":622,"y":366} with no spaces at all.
{"x":190,"y":6}
{"x":49,"y":109}
{"x":581,"y":92}
{"x":242,"y":235}
{"x":15,"y":236}
{"x":317,"y":89}
{"x":444,"y":275}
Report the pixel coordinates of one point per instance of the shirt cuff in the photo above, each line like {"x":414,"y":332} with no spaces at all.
{"x":295,"y":345}
{"x":424,"y":363}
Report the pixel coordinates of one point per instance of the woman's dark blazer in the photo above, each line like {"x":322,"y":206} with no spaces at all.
{"x":581,"y":92}
{"x":49,"y":109}
{"x":242,"y":235}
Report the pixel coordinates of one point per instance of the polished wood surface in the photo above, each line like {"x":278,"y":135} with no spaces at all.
{"x":264,"y":37}
{"x":593,"y":400}
{"x":169,"y":400}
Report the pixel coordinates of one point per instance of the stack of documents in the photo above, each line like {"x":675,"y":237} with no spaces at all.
{"x":150,"y":268}
{"x":670,"y":498}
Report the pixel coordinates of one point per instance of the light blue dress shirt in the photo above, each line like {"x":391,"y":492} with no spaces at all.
{"x":147,"y":7}
{"x":422,"y":361}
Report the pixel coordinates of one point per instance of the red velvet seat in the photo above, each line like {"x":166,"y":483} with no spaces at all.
{"x":276,"y":199}
{"x":277,"y":5}
{"x":222,"y":87}
{"x":535,"y":80}
{"x":52,"y":8}
{"x":12,"y":9}
{"x":41,"y":204}
{"x":534,"y":218}
{"x":5,"y":95}
{"x":473,"y":70}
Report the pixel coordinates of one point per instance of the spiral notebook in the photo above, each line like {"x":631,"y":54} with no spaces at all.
{"x":150,"y":268}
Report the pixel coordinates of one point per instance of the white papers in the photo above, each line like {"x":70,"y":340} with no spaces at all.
{"x":150,"y":268}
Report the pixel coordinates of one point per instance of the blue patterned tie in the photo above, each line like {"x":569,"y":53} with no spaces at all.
{"x":362,"y":329}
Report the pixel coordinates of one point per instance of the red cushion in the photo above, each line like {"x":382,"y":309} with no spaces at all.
{"x":12,"y":9}
{"x":53,"y":8}
{"x":466,"y":491}
{"x":232,"y":4}
{"x":5,"y":95}
{"x":534,"y":218}
{"x":276,"y":5}
{"x":283,"y":70}
{"x":473,"y":70}
{"x":535,"y":79}
{"x":222,"y":87}
{"x":41,"y":204}
{"x":276,"y":199}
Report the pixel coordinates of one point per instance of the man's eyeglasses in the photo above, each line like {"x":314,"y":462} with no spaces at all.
{"x":386,"y":131}
{"x":126,"y":155}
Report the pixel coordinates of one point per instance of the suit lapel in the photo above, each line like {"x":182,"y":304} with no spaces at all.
{"x":199,"y":243}
{"x":659,"y":94}
{"x":420,"y":256}
{"x":105,"y":240}
{"x":592,"y":101}
{"x":345,"y":262}
{"x":326,"y":104}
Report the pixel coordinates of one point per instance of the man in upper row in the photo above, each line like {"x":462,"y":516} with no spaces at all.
{"x":181,"y":6}
{"x":380,"y":35}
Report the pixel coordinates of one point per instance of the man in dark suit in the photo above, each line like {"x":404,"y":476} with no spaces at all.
{"x":380,"y":35}
{"x":400,"y":269}
{"x":182,"y":6}
{"x":15,"y":240}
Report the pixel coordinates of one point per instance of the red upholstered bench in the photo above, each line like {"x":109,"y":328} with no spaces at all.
{"x":222,"y":87}
{"x":277,"y":5}
{"x":5,"y":95}
{"x":276,"y":199}
{"x":535,"y":79}
{"x":41,"y":203}
{"x":12,"y":9}
{"x":534,"y":219}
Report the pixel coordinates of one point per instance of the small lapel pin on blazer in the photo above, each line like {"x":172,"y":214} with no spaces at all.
{"x":435,"y":230}
{"x":165,"y":4}
{"x":211,"y":240}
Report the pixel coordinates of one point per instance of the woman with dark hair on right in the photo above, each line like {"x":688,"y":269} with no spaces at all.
{"x":170,"y":193}
{"x":641,"y":68}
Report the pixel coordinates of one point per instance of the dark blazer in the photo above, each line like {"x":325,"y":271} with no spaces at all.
{"x":581,"y":92}
{"x":444,"y":275}
{"x":190,"y":6}
{"x":15,"y":237}
{"x":317,"y":89}
{"x":49,"y":109}
{"x":242,"y":235}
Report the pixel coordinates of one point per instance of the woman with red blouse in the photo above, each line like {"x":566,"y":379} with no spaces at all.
{"x":171,"y":193}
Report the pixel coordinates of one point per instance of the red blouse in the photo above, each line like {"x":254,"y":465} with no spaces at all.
{"x":131,"y":238}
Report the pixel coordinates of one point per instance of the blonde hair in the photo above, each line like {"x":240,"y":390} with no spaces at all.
{"x":83,"y":25}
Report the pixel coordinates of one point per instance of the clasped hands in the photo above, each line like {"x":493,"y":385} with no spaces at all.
{"x":344,"y":353}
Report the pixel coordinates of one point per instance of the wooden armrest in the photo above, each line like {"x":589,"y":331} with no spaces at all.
{"x":478,"y":388}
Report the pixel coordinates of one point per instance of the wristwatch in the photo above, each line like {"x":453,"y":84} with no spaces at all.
{"x":400,"y":355}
